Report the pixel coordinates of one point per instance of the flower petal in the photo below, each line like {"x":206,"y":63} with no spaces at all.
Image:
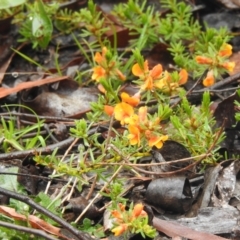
{"x":98,"y":72}
{"x":137,"y":209}
{"x":148,"y":84}
{"x":120,"y":229}
{"x":226,"y":50}
{"x":157,"y":141}
{"x":228,"y":65}
{"x":203,"y":60}
{"x":133,"y":101}
{"x":123,"y":112}
{"x":209,"y":80}
{"x":156,"y":72}
{"x":109,"y":110}
{"x":134,"y":136}
{"x":98,"y":58}
{"x":142,"y":114}
{"x":183,"y":77}
{"x":138,"y":71}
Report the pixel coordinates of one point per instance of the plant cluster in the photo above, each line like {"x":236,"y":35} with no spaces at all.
{"x":147,"y":115}
{"x":134,"y":220}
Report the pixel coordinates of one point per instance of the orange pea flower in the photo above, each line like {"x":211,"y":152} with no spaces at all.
{"x":164,"y":81}
{"x":134,"y":120}
{"x":117,"y":214}
{"x":142,"y":113}
{"x":156,"y":72}
{"x":203,"y":60}
{"x":228,"y":65}
{"x":109,"y":110}
{"x":137,"y":210}
{"x":98,"y":73}
{"x":122,"y":207}
{"x":120,"y":229}
{"x":183,"y":77}
{"x":226,"y":50}
{"x":134,"y":136}
{"x":98,"y":57}
{"x":123,"y":112}
{"x":133,"y":101}
{"x":209,"y":80}
{"x":157,"y":141}
{"x":148,"y":84}
{"x":149,"y":76}
{"x":138,"y":71}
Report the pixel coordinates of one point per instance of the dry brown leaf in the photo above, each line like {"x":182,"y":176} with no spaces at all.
{"x":41,"y":224}
{"x":11,"y":212}
{"x":25,"y":85}
{"x":34,"y":221}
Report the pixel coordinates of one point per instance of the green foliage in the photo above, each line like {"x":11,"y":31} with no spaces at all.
{"x":95,"y":230}
{"x":140,"y":20}
{"x":237,"y":115}
{"x":38,"y":27}
{"x":53,"y":205}
{"x":11,"y":234}
{"x":7,"y":4}
{"x":194,"y":128}
{"x":9,"y":182}
{"x":12,"y":135}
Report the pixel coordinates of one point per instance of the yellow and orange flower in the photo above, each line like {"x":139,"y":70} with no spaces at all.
{"x":203,"y":60}
{"x":100,"y":58}
{"x":183,"y":77}
{"x":120,"y":229}
{"x":98,"y":73}
{"x":209,"y":80}
{"x":117,"y":214}
{"x":123,"y":112}
{"x":226,"y":50}
{"x":228,"y":66}
{"x":109,"y":110}
{"x":142,"y":114}
{"x":148,"y":76}
{"x":157,"y":141}
{"x":137,"y":210}
{"x":164,"y":82}
{"x":138,"y":71}
{"x":133,"y":101}
{"x":134,"y":135}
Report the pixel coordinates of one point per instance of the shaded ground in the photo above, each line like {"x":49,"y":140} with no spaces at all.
{"x":183,"y":201}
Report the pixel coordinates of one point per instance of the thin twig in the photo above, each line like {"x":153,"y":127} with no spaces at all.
{"x":42,"y":150}
{"x":159,"y":163}
{"x":33,"y":176}
{"x":98,"y":194}
{"x":78,"y":234}
{"x":19,"y":228}
{"x":63,"y":157}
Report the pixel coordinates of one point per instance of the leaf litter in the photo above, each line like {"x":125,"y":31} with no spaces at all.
{"x":182,"y":203}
